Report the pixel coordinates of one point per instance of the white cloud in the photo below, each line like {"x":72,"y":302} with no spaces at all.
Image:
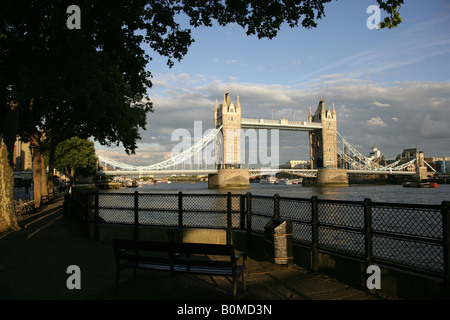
{"x":179,"y":100}
{"x":376,"y":122}
{"x":379,"y":104}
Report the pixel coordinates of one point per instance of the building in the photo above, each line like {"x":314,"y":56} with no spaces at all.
{"x":375,"y":154}
{"x":295,"y":164}
{"x":409,"y":154}
{"x":440,"y":164}
{"x":22,"y":156}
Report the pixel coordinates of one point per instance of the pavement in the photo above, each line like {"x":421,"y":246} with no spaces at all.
{"x":34,"y":265}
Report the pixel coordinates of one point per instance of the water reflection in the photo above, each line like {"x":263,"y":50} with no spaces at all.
{"x":377,"y":193}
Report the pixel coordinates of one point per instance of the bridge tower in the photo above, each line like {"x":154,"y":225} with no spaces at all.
{"x":228,"y":116}
{"x":323,"y":148}
{"x":323,"y":142}
{"x":228,"y":159}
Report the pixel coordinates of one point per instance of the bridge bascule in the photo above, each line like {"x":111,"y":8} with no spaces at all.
{"x":328,"y":163}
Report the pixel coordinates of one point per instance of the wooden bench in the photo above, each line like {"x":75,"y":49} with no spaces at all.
{"x":177,"y":257}
{"x":24,"y":206}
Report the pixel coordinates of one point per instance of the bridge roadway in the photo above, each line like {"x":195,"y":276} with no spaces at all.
{"x":308,"y":173}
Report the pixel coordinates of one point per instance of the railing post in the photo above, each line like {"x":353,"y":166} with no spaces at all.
{"x":229,"y":220}
{"x":180,"y":209}
{"x":367,"y":237}
{"x":315,"y":234}
{"x":368,"y":231}
{"x":249,"y":220}
{"x":136,"y":215}
{"x":241,"y":212}
{"x":85,"y":218}
{"x":446,"y":243}
{"x":96,"y":217}
{"x":276,"y":206}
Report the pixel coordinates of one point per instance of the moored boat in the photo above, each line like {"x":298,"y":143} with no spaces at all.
{"x":285,"y":181}
{"x":420,"y":184}
{"x":269,"y":180}
{"x":433,"y":185}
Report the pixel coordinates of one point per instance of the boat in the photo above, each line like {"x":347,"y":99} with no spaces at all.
{"x":285,"y":182}
{"x":269,"y":180}
{"x":420,"y":185}
{"x":433,"y":185}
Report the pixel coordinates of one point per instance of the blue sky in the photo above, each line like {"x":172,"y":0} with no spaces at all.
{"x":391,"y":88}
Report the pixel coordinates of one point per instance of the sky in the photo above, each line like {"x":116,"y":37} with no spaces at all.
{"x":390,"y":88}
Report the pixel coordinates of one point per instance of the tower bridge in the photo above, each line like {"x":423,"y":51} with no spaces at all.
{"x":227,"y":171}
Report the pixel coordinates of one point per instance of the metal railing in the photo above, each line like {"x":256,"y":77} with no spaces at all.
{"x":412,"y":237}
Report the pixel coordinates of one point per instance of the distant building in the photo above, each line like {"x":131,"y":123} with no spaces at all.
{"x":409,"y":154}
{"x":375,"y":154}
{"x":440,"y":164}
{"x":22,"y":156}
{"x":297,"y":164}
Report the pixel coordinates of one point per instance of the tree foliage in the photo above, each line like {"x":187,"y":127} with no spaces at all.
{"x":76,"y":157}
{"x":92,"y":82}
{"x":392,"y":8}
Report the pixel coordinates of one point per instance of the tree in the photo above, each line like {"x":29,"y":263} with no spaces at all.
{"x":56,"y":82}
{"x":76,"y":157}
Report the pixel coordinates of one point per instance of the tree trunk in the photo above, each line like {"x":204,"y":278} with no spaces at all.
{"x":51,"y":167}
{"x":39,"y":172}
{"x":44,"y":189}
{"x":37,"y":179}
{"x":8,"y":218}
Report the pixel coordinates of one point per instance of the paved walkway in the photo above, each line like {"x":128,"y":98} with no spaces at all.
{"x":34,"y":262}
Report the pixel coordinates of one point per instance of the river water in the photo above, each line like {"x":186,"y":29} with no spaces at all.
{"x":357,"y":192}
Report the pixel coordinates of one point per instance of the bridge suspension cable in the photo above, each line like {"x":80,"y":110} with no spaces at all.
{"x":177,"y":159}
{"x":358,"y":161}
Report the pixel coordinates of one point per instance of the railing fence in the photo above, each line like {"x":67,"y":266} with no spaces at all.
{"x":411,"y":237}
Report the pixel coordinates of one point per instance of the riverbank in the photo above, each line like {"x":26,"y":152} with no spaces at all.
{"x":34,"y":262}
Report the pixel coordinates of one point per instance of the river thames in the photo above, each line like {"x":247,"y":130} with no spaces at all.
{"x":357,"y":192}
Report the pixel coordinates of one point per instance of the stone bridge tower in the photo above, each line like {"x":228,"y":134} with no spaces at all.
{"x":323,"y":143}
{"x":323,"y":148}
{"x":230,"y":175}
{"x":229,"y":116}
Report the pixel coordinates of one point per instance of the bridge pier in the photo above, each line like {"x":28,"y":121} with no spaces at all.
{"x":329,"y":178}
{"x":229,"y":179}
